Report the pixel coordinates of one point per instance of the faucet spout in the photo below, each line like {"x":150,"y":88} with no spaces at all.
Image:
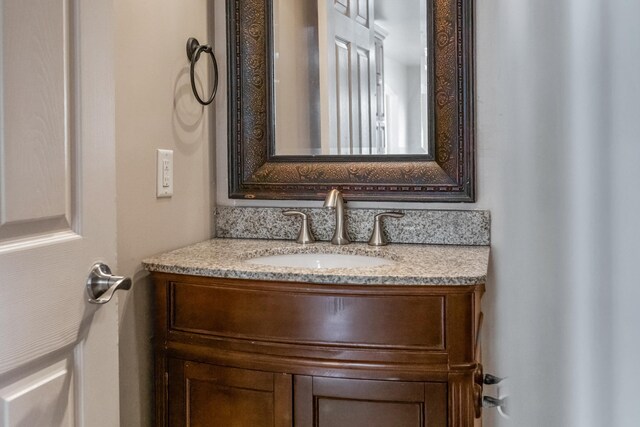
{"x":334,"y":200}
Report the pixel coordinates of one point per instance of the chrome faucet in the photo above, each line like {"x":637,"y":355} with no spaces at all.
{"x":335,"y":201}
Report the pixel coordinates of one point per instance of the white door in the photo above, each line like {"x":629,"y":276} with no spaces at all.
{"x":58,"y":353}
{"x":347,"y":75}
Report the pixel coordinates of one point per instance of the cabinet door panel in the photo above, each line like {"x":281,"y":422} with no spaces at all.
{"x":336,"y":402}
{"x":212,"y":396}
{"x":354,"y":413}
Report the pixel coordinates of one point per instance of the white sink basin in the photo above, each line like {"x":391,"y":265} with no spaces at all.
{"x":320,"y":261}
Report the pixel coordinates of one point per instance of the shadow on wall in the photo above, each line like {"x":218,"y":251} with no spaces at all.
{"x":188,"y":115}
{"x":139,"y":328}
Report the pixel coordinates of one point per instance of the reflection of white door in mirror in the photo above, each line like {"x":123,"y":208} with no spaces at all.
{"x":381,"y":119}
{"x":350,"y":77}
{"x":347,"y":76}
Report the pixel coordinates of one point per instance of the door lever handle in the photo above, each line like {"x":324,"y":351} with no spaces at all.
{"x":491,"y":379}
{"x":101,"y":284}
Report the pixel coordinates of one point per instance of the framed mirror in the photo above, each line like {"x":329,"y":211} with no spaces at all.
{"x":372,"y":96}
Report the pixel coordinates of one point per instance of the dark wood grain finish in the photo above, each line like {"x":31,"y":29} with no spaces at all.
{"x":161,"y":380}
{"x":208,"y":395}
{"x":405,"y":352}
{"x":333,"y":402}
{"x":462,"y":400}
{"x":446,"y":175}
{"x":314,"y":316}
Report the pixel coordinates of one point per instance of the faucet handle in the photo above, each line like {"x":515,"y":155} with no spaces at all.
{"x":304,"y":235}
{"x":377,"y":236}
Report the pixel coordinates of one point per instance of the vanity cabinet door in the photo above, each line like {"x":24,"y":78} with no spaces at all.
{"x":338,"y":402}
{"x":214,"y":396}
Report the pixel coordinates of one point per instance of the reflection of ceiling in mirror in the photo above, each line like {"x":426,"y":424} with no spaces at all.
{"x":401,"y":18}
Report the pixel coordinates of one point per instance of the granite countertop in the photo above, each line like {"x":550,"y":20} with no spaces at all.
{"x":413,"y":264}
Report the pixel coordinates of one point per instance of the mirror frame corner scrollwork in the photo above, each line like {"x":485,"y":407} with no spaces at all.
{"x":254,"y":173}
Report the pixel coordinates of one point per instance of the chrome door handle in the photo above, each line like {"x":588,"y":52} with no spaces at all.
{"x":101,"y":284}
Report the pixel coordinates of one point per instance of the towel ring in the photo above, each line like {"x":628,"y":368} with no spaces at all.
{"x":194,"y":49}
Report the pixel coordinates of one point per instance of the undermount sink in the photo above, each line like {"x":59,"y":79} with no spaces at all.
{"x":320,"y":261}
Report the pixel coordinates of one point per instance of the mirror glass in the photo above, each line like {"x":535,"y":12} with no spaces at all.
{"x":350,"y":77}
{"x":301,"y":83}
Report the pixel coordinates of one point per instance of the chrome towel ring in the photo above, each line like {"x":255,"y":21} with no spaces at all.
{"x":194,"y":49}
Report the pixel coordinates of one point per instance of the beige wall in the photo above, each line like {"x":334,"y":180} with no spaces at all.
{"x":155,"y":109}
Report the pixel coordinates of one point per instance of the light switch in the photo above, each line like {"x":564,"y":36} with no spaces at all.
{"x":164,"y":173}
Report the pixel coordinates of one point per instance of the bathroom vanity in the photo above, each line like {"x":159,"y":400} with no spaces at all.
{"x":240,"y":344}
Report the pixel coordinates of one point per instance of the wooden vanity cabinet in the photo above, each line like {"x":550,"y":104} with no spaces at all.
{"x":232,"y":352}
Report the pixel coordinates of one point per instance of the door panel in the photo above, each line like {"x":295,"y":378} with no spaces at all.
{"x":364,"y":104}
{"x":343,"y":96}
{"x":51,"y":388}
{"x":354,"y":413}
{"x":347,"y":73}
{"x":341,"y":402}
{"x":35,"y":143}
{"x":357,"y":403}
{"x":58,"y":354}
{"x":215,"y":396}
{"x":342,"y":6}
{"x":362,"y":13}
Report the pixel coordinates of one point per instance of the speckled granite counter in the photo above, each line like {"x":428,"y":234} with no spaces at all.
{"x":413,"y":264}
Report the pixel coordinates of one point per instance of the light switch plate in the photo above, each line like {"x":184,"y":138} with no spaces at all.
{"x":164,"y":173}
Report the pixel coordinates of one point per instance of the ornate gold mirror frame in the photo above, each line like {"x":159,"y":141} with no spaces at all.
{"x":256,"y":173}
